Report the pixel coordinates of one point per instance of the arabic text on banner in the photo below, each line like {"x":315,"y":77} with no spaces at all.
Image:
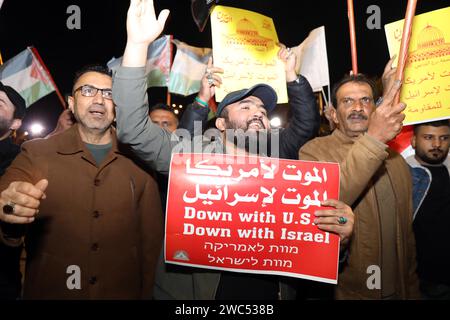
{"x":251,"y":214}
{"x":245,"y":46}
{"x":426,"y":84}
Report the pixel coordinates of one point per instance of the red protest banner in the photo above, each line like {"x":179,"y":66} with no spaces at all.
{"x":251,"y":214}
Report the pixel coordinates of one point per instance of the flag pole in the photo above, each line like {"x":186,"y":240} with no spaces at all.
{"x":169,"y":97}
{"x":407,"y":26}
{"x":351,"y":25}
{"x":38,"y":57}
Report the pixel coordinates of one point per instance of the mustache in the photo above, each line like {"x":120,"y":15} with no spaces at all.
{"x":436,"y":150}
{"x":357,"y":115}
{"x":258,"y":120}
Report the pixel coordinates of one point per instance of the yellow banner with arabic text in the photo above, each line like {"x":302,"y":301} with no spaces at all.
{"x":245,"y":46}
{"x":426,"y":84}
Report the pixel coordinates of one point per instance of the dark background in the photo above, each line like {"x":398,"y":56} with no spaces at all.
{"x":103,"y":35}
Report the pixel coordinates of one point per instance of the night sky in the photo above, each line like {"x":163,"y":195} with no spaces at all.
{"x":103,"y":35}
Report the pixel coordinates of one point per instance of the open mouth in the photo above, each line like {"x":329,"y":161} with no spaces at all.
{"x":255,"y":124}
{"x":97,"y":111}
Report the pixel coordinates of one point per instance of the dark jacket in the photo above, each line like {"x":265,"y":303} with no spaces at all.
{"x":104,"y":219}
{"x":421,"y":178}
{"x":154,"y":145}
{"x":303,"y":127}
{"x":10,"y":276}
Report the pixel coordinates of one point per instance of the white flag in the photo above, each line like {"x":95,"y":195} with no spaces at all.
{"x":188,"y":68}
{"x":312,"y":61}
{"x":25,"y":73}
{"x":158,"y":62}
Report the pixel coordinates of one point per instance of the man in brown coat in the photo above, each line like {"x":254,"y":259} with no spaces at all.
{"x":376,"y":182}
{"x":91,"y":218}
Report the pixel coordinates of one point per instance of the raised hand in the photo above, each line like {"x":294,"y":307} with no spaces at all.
{"x":142,"y":29}
{"x":387,"y":119}
{"x":210,"y":81}
{"x":142,"y":25}
{"x":289,"y":59}
{"x":388,"y":76}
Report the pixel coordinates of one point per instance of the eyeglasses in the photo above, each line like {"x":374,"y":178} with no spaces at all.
{"x":90,"y":91}
{"x":350,"y":102}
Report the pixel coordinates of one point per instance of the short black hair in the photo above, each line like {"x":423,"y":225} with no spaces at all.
{"x":438,"y":123}
{"x":161,"y":106}
{"x":359,"y":78}
{"x":92,"y":68}
{"x":224,"y":113}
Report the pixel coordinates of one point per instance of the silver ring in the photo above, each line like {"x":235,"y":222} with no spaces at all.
{"x":209,"y":76}
{"x":342,"y":220}
{"x":9,"y":208}
{"x":290,"y":52}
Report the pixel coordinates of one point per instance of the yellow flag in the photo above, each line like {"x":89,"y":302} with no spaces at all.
{"x":245,"y":46}
{"x":426,"y":83}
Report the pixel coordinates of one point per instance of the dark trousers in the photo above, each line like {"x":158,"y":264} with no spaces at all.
{"x":434,"y":291}
{"x":10,"y":276}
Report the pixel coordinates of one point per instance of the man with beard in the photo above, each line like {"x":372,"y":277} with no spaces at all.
{"x":93,"y":218}
{"x":244,"y":111}
{"x":12,"y":111}
{"x":376,"y":182}
{"x":430,"y":170}
{"x":302,"y":127}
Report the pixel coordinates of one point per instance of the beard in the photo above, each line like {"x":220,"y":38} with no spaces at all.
{"x":91,"y":122}
{"x":253,"y":141}
{"x":244,"y":127}
{"x":5,"y":126}
{"x":438,"y":156}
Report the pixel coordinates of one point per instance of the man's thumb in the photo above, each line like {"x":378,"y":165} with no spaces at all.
{"x":42,"y":185}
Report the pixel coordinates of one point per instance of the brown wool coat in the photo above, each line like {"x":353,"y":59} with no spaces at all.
{"x":359,"y":160}
{"x":106,"y":220}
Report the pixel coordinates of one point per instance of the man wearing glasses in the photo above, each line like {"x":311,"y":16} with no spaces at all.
{"x":93,"y":220}
{"x":376,"y":183}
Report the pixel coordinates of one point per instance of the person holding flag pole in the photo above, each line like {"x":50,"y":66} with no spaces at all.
{"x":376,"y":182}
{"x":240,"y":110}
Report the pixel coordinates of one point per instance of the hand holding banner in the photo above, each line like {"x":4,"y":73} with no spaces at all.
{"x":245,"y":46}
{"x":251,"y":214}
{"x":425,"y":88}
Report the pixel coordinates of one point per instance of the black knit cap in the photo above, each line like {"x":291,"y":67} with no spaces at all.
{"x":16,"y":100}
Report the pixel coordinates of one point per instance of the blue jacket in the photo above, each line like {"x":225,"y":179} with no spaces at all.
{"x":421,"y":178}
